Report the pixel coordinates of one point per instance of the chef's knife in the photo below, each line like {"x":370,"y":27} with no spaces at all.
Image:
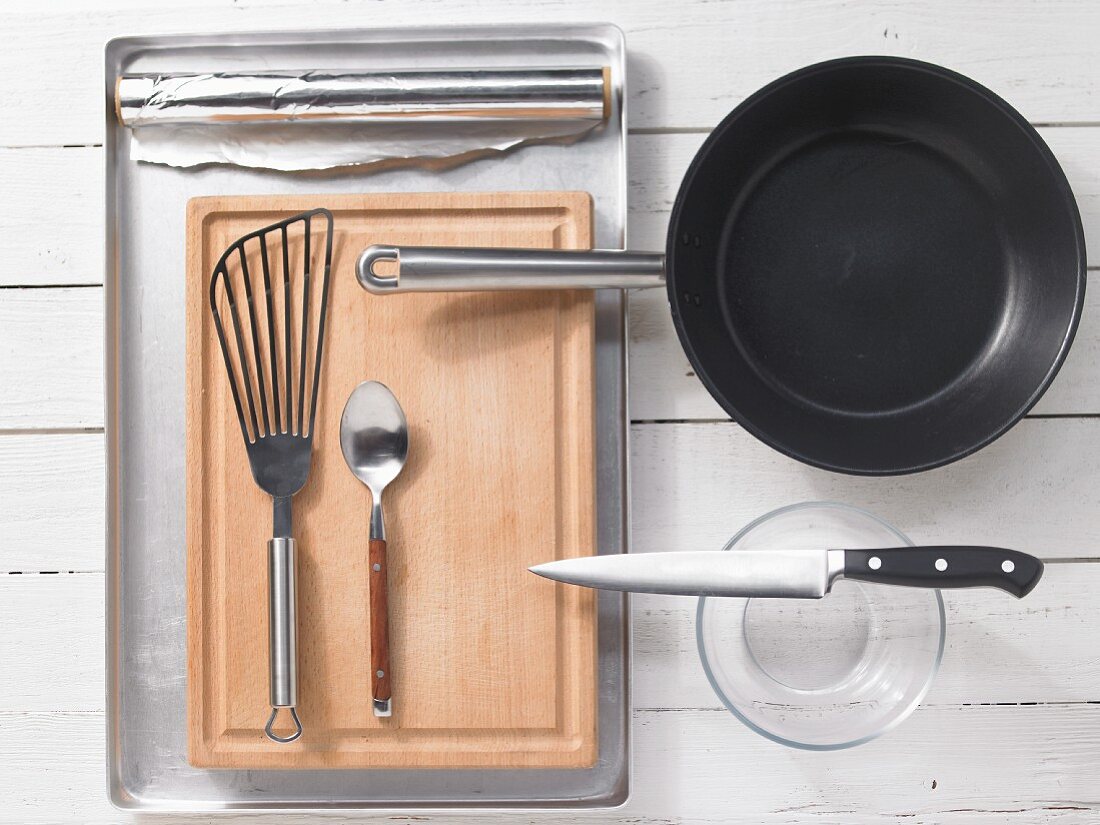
{"x":798,"y":574}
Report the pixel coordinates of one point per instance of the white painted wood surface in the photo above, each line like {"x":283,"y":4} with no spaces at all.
{"x":1011,"y":729}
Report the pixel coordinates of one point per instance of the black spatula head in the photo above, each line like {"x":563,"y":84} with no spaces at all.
{"x":269,"y":298}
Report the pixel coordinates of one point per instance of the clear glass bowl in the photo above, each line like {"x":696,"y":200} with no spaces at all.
{"x":822,"y":674}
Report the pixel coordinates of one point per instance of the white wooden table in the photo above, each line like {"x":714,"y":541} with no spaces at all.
{"x":1011,"y":729}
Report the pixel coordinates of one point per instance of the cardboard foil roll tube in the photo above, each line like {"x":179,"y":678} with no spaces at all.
{"x":555,"y":94}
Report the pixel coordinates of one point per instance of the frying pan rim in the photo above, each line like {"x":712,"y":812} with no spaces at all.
{"x":717,"y":138}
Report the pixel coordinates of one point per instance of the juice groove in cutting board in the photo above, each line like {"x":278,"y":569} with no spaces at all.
{"x":492,"y":666}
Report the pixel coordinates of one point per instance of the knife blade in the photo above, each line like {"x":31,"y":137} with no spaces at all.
{"x":798,"y":573}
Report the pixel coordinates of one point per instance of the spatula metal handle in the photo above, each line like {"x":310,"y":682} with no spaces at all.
{"x":379,"y":630}
{"x":282,"y":634}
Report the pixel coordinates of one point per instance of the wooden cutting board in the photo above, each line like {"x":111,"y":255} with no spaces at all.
{"x":492,"y":666}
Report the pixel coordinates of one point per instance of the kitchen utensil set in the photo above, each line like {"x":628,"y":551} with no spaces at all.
{"x":875,"y":277}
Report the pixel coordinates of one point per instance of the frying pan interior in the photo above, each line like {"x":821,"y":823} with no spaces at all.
{"x":876,"y":265}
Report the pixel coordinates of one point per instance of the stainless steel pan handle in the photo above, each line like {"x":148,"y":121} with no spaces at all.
{"x":455,"y":269}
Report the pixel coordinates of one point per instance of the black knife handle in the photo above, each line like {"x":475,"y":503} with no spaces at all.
{"x":947,"y":566}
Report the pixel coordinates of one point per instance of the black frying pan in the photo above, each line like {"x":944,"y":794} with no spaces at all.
{"x":875,"y":265}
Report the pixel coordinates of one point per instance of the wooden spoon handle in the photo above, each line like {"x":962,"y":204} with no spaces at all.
{"x":379,"y":629}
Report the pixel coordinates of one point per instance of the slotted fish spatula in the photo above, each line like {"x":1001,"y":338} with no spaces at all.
{"x":272,"y":334}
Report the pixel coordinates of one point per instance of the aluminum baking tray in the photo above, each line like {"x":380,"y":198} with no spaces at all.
{"x":144,"y":284}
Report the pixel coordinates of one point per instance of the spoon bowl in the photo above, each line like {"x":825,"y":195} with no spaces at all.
{"x":374,"y":435}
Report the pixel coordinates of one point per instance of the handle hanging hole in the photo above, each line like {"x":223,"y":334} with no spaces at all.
{"x":385,"y":268}
{"x":379,"y":267}
{"x":269,"y":728}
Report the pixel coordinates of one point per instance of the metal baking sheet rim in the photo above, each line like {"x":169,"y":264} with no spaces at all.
{"x":613,"y":479}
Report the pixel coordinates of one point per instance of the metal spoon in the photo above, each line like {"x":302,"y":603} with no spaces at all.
{"x":374,"y":437}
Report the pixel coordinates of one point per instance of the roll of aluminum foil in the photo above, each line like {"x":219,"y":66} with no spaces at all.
{"x":569,"y":94}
